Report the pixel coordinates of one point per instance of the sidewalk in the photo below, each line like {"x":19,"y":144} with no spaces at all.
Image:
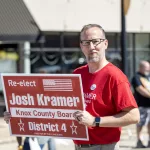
{"x":128,"y":138}
{"x":4,"y":133}
{"x":127,"y":142}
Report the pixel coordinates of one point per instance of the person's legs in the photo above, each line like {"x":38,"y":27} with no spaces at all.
{"x":26,"y":145}
{"x":41,"y":146}
{"x":143,"y":121}
{"x":138,"y":132}
{"x":44,"y":140}
{"x":148,"y":145}
{"x":19,"y":141}
{"x":148,"y":128}
{"x":139,"y":141}
{"x":51,"y":144}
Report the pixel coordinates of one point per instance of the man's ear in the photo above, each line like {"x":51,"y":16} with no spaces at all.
{"x":106,"y":43}
{"x":80,"y":45}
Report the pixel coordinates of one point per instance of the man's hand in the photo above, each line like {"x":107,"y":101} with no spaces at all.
{"x":7,"y":116}
{"x":85,"y":118}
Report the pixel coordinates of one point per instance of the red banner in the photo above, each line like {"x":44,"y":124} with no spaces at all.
{"x":43,"y":105}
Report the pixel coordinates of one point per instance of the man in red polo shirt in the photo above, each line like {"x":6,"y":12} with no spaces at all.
{"x":109,"y":102}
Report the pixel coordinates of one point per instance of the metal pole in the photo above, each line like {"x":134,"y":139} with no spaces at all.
{"x":123,"y":40}
{"x":27,"y":64}
{"x":134,"y":55}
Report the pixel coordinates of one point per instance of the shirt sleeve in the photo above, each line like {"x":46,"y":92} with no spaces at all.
{"x":123,"y":97}
{"x":136,"y":81}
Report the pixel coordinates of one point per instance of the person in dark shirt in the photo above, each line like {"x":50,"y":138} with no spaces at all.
{"x":141,"y":85}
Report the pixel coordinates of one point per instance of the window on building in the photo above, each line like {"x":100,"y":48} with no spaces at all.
{"x":52,"y":40}
{"x":142,"y":47}
{"x":129,"y":41}
{"x":71,"y":39}
{"x":113,"y":53}
{"x":8,"y":59}
{"x":112,"y":42}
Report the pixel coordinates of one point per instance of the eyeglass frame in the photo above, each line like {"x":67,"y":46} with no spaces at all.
{"x":101,"y":40}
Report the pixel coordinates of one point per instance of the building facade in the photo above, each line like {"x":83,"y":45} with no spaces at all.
{"x":59,"y":23}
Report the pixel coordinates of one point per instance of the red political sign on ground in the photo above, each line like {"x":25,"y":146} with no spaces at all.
{"x":43,"y":105}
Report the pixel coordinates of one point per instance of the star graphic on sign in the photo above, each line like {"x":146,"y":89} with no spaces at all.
{"x":21,"y":125}
{"x":73,"y":127}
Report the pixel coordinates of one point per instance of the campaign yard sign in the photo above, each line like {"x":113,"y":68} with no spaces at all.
{"x":43,"y":105}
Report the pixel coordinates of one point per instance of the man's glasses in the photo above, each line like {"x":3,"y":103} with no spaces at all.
{"x":94,"y":41}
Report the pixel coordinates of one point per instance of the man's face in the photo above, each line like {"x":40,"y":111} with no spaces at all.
{"x":146,"y":69}
{"x":94,"y":50}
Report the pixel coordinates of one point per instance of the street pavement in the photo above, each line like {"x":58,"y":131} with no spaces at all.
{"x":127,"y":142}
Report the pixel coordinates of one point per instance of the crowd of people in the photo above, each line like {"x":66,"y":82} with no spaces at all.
{"x":114,"y":105}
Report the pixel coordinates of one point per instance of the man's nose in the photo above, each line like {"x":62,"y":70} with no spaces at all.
{"x":91,"y":45}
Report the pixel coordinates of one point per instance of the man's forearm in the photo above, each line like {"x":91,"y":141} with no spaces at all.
{"x":143,"y":91}
{"x":124,"y":118}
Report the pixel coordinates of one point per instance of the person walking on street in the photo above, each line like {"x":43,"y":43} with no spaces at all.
{"x":109,"y":102}
{"x":141,"y":85}
{"x":19,"y":141}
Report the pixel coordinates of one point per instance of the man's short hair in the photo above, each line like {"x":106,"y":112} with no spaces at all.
{"x":143,"y":63}
{"x":88,"y":26}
